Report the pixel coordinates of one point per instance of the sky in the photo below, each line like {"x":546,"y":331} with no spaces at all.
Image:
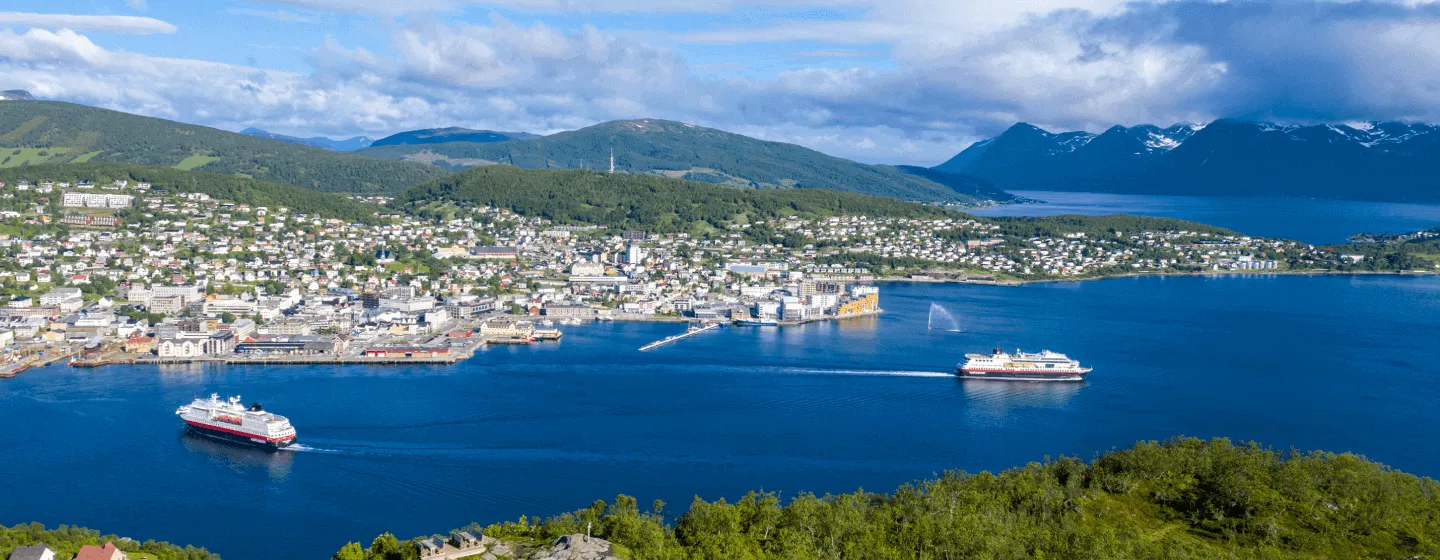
{"x":879,"y":81}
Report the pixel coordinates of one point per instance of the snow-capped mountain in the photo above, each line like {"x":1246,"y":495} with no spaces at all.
{"x":1357,"y":160}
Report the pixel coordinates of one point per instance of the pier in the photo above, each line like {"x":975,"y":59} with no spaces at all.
{"x":692,"y":331}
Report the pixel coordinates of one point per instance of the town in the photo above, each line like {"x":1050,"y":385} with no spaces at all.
{"x":126,"y":272}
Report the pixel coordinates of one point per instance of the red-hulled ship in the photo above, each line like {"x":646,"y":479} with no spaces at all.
{"x":230,"y":420}
{"x":1022,"y":366}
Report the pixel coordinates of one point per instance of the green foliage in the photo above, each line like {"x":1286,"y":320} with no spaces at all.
{"x":643,"y":201}
{"x":701,"y":154}
{"x":1183,"y":498}
{"x":66,"y":542}
{"x":232,"y":188}
{"x":351,"y":551}
{"x":120,"y":137}
{"x":1390,"y":252}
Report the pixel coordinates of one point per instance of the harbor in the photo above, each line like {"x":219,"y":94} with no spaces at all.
{"x":876,"y":396}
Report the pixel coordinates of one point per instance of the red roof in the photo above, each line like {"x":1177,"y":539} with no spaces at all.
{"x":107,"y":552}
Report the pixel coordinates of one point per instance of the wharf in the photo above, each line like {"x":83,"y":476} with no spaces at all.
{"x":292,"y":360}
{"x":692,"y":331}
{"x":38,"y":360}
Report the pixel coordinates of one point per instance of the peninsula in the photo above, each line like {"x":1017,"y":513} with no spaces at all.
{"x":117,"y":263}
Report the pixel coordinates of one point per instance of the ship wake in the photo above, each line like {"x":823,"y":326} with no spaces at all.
{"x":877,"y":372}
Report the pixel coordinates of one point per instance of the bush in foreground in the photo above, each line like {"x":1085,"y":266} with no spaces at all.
{"x":1183,"y":498}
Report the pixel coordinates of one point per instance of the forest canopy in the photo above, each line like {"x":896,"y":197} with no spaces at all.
{"x":1182,"y":498}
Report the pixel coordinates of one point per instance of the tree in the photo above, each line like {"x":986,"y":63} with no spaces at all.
{"x":1182,"y":498}
{"x":351,"y":551}
{"x":385,"y":547}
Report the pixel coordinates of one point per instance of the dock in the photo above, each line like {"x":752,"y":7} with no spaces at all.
{"x":692,"y":331}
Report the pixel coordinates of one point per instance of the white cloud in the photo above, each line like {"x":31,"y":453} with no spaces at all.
{"x":953,"y":72}
{"x":499,"y":76}
{"x":105,"y":24}
{"x":137,"y":4}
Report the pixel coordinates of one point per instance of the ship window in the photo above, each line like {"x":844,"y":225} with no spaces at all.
{"x":1049,"y":365}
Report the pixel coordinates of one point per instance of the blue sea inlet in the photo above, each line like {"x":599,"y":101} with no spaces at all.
{"x":1312,"y":220}
{"x":1336,"y":363}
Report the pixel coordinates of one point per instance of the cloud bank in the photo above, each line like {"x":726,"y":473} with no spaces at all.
{"x":103,"y":24}
{"x":953,"y":72}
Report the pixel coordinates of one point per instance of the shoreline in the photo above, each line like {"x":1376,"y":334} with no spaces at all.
{"x":460,"y":354}
{"x":1212,"y":274}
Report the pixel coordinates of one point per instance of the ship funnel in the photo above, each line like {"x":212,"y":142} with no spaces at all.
{"x":256,"y":407}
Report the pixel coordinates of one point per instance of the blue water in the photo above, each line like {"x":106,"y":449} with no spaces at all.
{"x":1339,"y":363}
{"x":1318,"y":221}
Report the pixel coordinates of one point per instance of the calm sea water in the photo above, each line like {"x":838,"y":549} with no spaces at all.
{"x":1310,"y":220}
{"x":1339,"y":363}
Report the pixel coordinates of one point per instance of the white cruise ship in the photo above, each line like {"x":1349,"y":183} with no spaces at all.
{"x":1022,"y":366}
{"x":230,"y":420}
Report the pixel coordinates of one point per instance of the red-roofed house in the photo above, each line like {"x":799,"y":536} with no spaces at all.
{"x":107,"y":552}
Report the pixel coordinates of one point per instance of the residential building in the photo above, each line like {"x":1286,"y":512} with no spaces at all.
{"x":32,"y":552}
{"x":569,"y":311}
{"x":107,"y":552}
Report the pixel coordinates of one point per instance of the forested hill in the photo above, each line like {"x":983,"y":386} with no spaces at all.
{"x":232,"y":188}
{"x":1184,"y":498}
{"x":33,"y":132}
{"x":696,"y":153}
{"x":642,"y":201}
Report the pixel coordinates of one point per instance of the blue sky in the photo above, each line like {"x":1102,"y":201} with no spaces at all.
{"x":895,"y":81}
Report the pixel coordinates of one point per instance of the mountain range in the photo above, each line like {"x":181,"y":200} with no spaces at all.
{"x":684,"y":151}
{"x":347,"y":145}
{"x":1392,"y":161}
{"x":16,"y":95}
{"x":451,"y":134}
{"x":41,"y":132}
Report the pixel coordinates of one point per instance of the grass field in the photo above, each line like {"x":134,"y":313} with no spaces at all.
{"x":190,"y":163}
{"x":16,"y":157}
{"x":83,"y":158}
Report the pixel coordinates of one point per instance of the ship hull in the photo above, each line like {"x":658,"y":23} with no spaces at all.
{"x":237,"y":437}
{"x":999,"y":375}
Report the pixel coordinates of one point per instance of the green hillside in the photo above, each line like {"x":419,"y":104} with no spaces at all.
{"x":221,"y":187}
{"x":683,"y":151}
{"x":641,"y":201}
{"x":1184,"y":498}
{"x":39,"y":132}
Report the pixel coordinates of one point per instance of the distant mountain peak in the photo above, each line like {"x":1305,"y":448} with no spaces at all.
{"x":346,"y":145}
{"x":653,"y":126}
{"x":1382,"y":160}
{"x":692,"y":152}
{"x":451,"y":134}
{"x":16,"y":95}
{"x":1024,"y":129}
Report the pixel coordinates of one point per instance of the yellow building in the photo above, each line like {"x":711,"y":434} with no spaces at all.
{"x":866,"y":304}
